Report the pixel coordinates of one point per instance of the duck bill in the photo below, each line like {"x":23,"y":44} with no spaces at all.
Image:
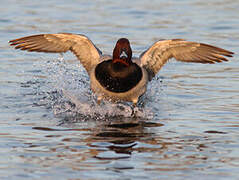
{"x":123,"y":55}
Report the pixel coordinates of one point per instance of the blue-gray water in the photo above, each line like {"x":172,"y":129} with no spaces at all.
{"x":51,"y":127}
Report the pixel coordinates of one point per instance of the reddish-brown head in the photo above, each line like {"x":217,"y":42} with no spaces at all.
{"x":122,"y":52}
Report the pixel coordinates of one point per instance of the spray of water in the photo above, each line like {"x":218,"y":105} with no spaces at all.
{"x":70,"y":95}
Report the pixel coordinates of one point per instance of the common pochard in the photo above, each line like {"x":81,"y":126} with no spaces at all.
{"x":121,"y":77}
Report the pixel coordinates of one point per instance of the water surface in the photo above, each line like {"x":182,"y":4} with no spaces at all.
{"x":51,"y":127}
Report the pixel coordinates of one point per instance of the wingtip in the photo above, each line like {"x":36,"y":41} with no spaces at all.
{"x":11,"y":42}
{"x":231,"y":54}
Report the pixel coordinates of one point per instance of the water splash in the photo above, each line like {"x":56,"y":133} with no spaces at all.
{"x":71,"y":97}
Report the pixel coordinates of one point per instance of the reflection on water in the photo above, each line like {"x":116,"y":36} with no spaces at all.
{"x":51,"y":126}
{"x":135,"y":146}
{"x":119,"y":136}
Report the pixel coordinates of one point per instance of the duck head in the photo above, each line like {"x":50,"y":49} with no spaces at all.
{"x":122,"y":53}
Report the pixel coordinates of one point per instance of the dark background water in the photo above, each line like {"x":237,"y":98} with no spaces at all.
{"x":50,"y":126}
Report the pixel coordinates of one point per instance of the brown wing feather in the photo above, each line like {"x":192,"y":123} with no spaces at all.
{"x":80,"y":45}
{"x":158,"y":54}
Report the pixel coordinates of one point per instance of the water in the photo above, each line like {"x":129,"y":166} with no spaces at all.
{"x":51,"y":127}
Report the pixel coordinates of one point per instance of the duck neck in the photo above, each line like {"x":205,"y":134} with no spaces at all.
{"x":121,"y":62}
{"x":118,"y":69}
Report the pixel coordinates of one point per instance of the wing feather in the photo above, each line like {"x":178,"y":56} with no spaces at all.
{"x":160,"y":52}
{"x":80,"y":45}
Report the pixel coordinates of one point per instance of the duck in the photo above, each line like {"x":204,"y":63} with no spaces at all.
{"x":122,"y":77}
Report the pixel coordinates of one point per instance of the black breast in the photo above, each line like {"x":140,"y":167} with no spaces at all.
{"x":117,"y":77}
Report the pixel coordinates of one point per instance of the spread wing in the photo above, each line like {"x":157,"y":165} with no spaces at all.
{"x":159,"y":53}
{"x":80,"y":45}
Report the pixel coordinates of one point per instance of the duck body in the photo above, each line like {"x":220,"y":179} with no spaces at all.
{"x":120,"y":77}
{"x":115,"y":82}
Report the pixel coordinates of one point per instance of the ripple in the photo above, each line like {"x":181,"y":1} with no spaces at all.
{"x":185,"y":127}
